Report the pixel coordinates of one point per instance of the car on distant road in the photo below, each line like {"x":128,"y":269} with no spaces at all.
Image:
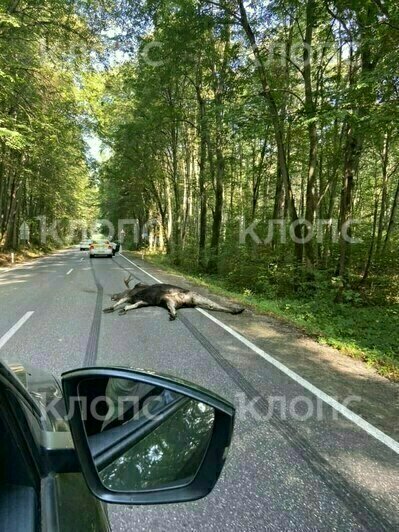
{"x":103,"y":435}
{"x":101,"y":248}
{"x":84,"y":245}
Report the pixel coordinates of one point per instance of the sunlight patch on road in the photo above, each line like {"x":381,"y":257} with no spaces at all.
{"x":8,"y":282}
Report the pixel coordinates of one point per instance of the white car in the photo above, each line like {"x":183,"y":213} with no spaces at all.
{"x":85,"y":245}
{"x":101,"y":248}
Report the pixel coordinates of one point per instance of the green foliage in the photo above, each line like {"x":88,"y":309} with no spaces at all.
{"x":192,"y":138}
{"x":43,"y":166}
{"x":199,"y":139}
{"x":370,"y":333}
{"x":12,"y":139}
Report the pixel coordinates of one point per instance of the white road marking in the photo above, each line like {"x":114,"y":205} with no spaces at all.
{"x":10,"y":333}
{"x":32,"y":263}
{"x":70,"y":271}
{"x":343,"y":410}
{"x":141,"y":269}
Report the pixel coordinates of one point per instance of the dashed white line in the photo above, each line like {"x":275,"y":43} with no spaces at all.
{"x":32,"y":263}
{"x":343,"y":410}
{"x":70,"y":271}
{"x":10,"y":333}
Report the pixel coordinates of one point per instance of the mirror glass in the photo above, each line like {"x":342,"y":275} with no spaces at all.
{"x":142,"y":436}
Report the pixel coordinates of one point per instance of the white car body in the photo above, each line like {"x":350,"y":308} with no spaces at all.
{"x":101,"y":248}
{"x":85,"y":245}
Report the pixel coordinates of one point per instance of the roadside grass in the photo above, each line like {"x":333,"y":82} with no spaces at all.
{"x":369,"y":333}
{"x":23,"y":255}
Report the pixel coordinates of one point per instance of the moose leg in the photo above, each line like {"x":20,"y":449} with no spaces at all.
{"x":139,"y":304}
{"x":171,"y":306}
{"x":117,"y":304}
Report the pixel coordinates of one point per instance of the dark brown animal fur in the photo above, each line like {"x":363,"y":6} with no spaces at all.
{"x":130,"y":291}
{"x":164,"y":295}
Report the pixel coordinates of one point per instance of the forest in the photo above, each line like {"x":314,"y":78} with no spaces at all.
{"x":43,"y":167}
{"x":256,"y":143}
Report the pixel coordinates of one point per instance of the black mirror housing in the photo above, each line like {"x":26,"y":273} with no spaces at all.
{"x":215,"y":452}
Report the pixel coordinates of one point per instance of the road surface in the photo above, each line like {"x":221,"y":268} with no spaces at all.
{"x":295,"y":464}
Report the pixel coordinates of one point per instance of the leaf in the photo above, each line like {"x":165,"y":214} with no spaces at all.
{"x":6,"y":76}
{"x":12,"y":139}
{"x":9,"y":20}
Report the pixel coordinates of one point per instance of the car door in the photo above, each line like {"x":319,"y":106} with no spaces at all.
{"x":33,"y":495}
{"x":20,"y":482}
{"x":138,"y":438}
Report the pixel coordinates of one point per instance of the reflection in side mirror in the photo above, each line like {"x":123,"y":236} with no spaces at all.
{"x":144,"y":437}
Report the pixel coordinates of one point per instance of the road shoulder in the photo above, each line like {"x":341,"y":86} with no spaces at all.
{"x":375,"y":398}
{"x":25,"y":258}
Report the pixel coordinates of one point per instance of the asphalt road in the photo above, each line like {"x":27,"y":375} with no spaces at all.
{"x":321,"y":472}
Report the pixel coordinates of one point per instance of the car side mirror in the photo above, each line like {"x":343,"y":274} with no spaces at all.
{"x":142,"y":438}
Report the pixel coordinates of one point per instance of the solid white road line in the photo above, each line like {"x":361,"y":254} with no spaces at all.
{"x":343,"y":410}
{"x":10,"y":333}
{"x":70,"y":271}
{"x":141,"y":269}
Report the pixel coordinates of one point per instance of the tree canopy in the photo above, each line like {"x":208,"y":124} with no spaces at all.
{"x":277,"y":114}
{"x":257,"y":140}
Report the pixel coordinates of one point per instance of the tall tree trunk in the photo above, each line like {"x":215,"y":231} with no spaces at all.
{"x":218,"y":213}
{"x":352,"y":154}
{"x":277,"y":126}
{"x":177,"y":207}
{"x":219,"y":79}
{"x":384,"y":193}
{"x":13,"y":212}
{"x":355,"y":132}
{"x":310,"y":110}
{"x":391,"y":224}
{"x":257,"y":180}
{"x":202,"y":177}
{"x":372,"y":244}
